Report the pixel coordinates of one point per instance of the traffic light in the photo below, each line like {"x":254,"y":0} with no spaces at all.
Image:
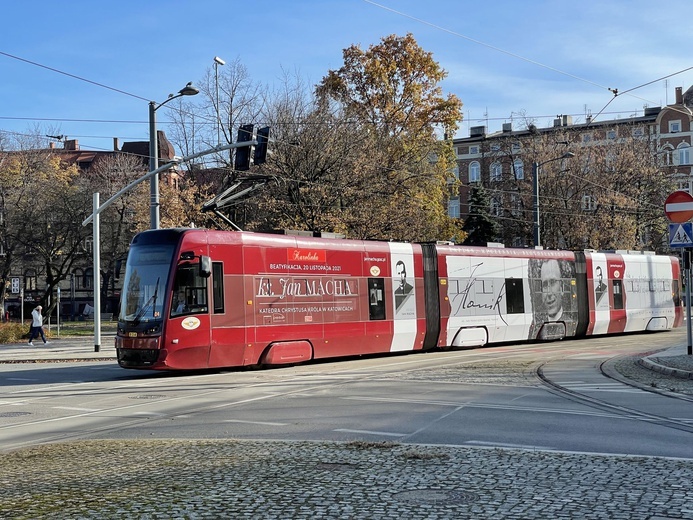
{"x":245,"y":133}
{"x":262,"y":139}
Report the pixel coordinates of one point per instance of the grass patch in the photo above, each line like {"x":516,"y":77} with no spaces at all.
{"x":17,"y":332}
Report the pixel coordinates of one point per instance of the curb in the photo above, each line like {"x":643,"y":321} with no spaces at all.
{"x":662,"y":369}
{"x":56,"y":360}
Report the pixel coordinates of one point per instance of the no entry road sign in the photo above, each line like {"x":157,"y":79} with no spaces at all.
{"x":679,"y":206}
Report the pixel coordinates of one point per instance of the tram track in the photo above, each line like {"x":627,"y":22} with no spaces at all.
{"x":603,"y":405}
{"x":186,"y":400}
{"x":161,"y":398}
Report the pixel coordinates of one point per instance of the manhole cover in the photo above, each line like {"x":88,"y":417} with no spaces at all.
{"x":14,"y":414}
{"x":147,"y":396}
{"x":436,"y":496}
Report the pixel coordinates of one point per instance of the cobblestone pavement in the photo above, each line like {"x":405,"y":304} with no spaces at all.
{"x":202,"y":479}
{"x":302,"y":480}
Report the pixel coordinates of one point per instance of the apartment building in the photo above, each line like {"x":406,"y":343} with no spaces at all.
{"x":503,"y":162}
{"x":27,"y":273}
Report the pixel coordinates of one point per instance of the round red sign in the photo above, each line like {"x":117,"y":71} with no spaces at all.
{"x":679,"y":206}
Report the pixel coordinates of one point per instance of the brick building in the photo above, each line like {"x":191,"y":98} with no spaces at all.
{"x":77,"y":290}
{"x":502,"y":162}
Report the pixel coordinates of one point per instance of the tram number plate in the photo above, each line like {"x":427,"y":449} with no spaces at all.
{"x":132,"y":334}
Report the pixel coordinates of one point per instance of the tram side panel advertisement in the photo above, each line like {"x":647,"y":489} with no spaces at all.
{"x":404,"y":296}
{"x":301,"y":297}
{"x":554,"y":298}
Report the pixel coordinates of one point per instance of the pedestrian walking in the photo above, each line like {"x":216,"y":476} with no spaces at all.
{"x":36,"y":326}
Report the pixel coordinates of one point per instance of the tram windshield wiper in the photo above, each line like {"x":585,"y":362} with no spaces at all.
{"x":150,"y":301}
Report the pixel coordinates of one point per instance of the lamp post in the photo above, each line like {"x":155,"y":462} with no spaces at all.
{"x":218,"y":61}
{"x":188,"y":90}
{"x":535,"y":184}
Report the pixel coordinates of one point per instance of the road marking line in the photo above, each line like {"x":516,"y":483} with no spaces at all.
{"x":256,"y":422}
{"x":509,"y":445}
{"x":369,"y":432}
{"x":76,"y":408}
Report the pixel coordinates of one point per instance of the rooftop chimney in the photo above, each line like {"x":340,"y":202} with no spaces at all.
{"x":477,"y":131}
{"x":679,"y":95}
{"x":116,"y":144}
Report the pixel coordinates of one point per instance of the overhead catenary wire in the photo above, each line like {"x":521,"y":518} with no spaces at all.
{"x":614,"y":91}
{"x":74,"y":76}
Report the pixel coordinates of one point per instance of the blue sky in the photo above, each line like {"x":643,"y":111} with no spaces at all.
{"x":537,"y":57}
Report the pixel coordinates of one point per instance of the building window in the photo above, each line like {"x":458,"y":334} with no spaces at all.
{"x":684,"y":153}
{"x":638,"y":132}
{"x":30,"y":280}
{"x":684,"y":184}
{"x":516,"y":148}
{"x":454,"y":207}
{"x":495,"y":147}
{"x":519,"y":168}
{"x":611,"y":134}
{"x":586,"y":138}
{"x":496,"y":171}
{"x":515,"y":205}
{"x":495,"y":206}
{"x":89,"y":245}
{"x":77,"y":277}
{"x":474,"y":172}
{"x":664,"y":154}
{"x":588,"y":203}
{"x":473,"y":149}
{"x":674,"y":126}
{"x":88,"y":278}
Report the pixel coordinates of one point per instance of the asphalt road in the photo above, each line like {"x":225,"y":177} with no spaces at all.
{"x":530,"y":432}
{"x":545,"y":397}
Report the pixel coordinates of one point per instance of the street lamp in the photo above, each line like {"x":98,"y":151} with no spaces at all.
{"x":535,"y":183}
{"x":188,"y":90}
{"x":218,"y":61}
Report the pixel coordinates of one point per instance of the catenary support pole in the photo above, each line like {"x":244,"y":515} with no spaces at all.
{"x":97,"y":276}
{"x":535,"y":203}
{"x":153,"y":165}
{"x":689,"y":334}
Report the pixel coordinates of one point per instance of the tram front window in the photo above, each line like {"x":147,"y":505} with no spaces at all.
{"x":189,"y":291}
{"x":146,"y":273}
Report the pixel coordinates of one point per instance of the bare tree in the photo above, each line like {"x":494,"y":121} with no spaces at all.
{"x":609,"y":196}
{"x":40,"y":206}
{"x":122,"y":219}
{"x":201,"y":123}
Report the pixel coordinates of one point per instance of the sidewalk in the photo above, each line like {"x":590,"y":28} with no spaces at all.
{"x":59,"y":349}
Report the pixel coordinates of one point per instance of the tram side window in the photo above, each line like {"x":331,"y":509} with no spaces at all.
{"x":676,"y":293}
{"x":618,"y":294}
{"x":376,"y":298}
{"x":514,"y":296}
{"x":218,"y":287}
{"x":189,"y":291}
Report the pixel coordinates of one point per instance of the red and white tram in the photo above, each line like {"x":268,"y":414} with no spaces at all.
{"x":195,"y":298}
